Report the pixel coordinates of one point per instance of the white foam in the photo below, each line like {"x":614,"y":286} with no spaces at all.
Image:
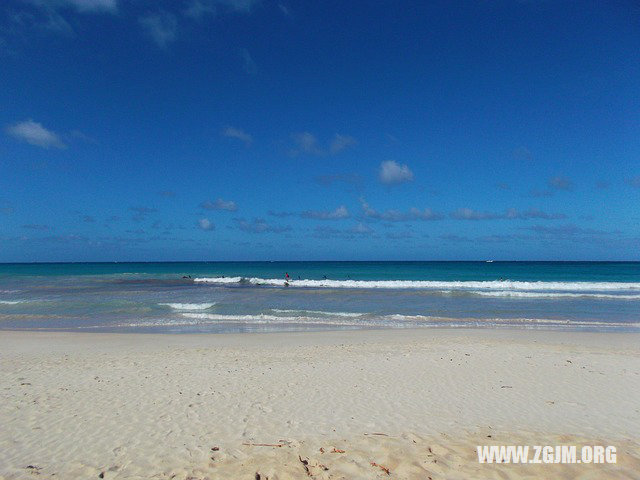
{"x":259,"y":318}
{"x":320,"y":312}
{"x":507,"y":285}
{"x":393,"y":320}
{"x":12,"y":302}
{"x":189,"y":306}
{"x":519,"y":294}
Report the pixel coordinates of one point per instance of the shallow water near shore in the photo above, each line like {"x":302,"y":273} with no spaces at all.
{"x":222,"y":297}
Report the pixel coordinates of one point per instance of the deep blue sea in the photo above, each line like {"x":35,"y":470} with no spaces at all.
{"x":255,"y":296}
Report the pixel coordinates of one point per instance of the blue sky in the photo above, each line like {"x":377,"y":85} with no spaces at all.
{"x":250,"y":130}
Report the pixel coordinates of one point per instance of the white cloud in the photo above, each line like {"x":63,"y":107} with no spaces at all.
{"x":205,"y":224}
{"x":48,"y":14}
{"x":241,"y":135}
{"x":161,"y":27}
{"x":307,"y":143}
{"x":509,"y":214}
{"x":397,"y":215}
{"x":470,"y":214}
{"x":337,"y":214}
{"x":220,"y":204}
{"x":35,"y":134}
{"x":341,"y":142}
{"x":361,"y":228}
{"x":248,"y":64}
{"x":560,"y":183}
{"x":259,"y":225}
{"x":392,"y":172}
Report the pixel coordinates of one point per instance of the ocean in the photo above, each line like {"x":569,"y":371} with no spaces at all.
{"x":224,"y":297}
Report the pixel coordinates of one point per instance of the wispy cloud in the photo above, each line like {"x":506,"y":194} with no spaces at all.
{"x":509,"y":214}
{"x":340,"y":143}
{"x":359,"y":230}
{"x":494,"y":238}
{"x":339,"y":213}
{"x":205,"y":224}
{"x":274,"y":213}
{"x":241,"y":6}
{"x":35,"y":134}
{"x":36,"y":226}
{"x":565,"y":230}
{"x":285,"y":11}
{"x":49,"y":15}
{"x":248,"y":64}
{"x":141,"y":213}
{"x":392,"y":172}
{"x":534,"y":213}
{"x":397,"y":215}
{"x":237,"y":133}
{"x":560,"y":183}
{"x":161,"y":27}
{"x":82,"y":6}
{"x":470,"y":214}
{"x":198,"y":9}
{"x":556,"y":184}
{"x":306,"y":143}
{"x":259,"y":225}
{"x":219,"y":204}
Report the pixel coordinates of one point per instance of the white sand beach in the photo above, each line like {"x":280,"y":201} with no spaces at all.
{"x":405,"y":404}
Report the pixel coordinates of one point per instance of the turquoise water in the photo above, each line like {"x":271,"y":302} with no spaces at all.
{"x":253,"y":296}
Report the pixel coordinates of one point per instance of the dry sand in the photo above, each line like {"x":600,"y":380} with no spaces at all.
{"x":415,"y":402}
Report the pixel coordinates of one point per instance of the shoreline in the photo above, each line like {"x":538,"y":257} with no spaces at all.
{"x":140,"y":405}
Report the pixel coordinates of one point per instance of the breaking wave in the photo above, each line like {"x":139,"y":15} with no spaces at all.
{"x":496,"y":288}
{"x":189,"y":306}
